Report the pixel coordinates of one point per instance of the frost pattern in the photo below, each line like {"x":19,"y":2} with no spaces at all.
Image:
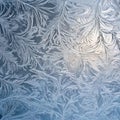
{"x":59,"y":60}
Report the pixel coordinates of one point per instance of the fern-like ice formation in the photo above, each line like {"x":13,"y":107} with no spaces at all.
{"x":59,"y":59}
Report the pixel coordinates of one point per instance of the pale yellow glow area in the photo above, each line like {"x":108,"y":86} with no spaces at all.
{"x":91,"y":51}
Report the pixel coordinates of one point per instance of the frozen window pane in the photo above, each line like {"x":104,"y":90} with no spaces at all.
{"x":59,"y":60}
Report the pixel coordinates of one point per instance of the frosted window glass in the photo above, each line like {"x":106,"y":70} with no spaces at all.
{"x":59,"y":59}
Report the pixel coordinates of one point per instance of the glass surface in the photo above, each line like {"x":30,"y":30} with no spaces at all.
{"x":59,"y":59}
